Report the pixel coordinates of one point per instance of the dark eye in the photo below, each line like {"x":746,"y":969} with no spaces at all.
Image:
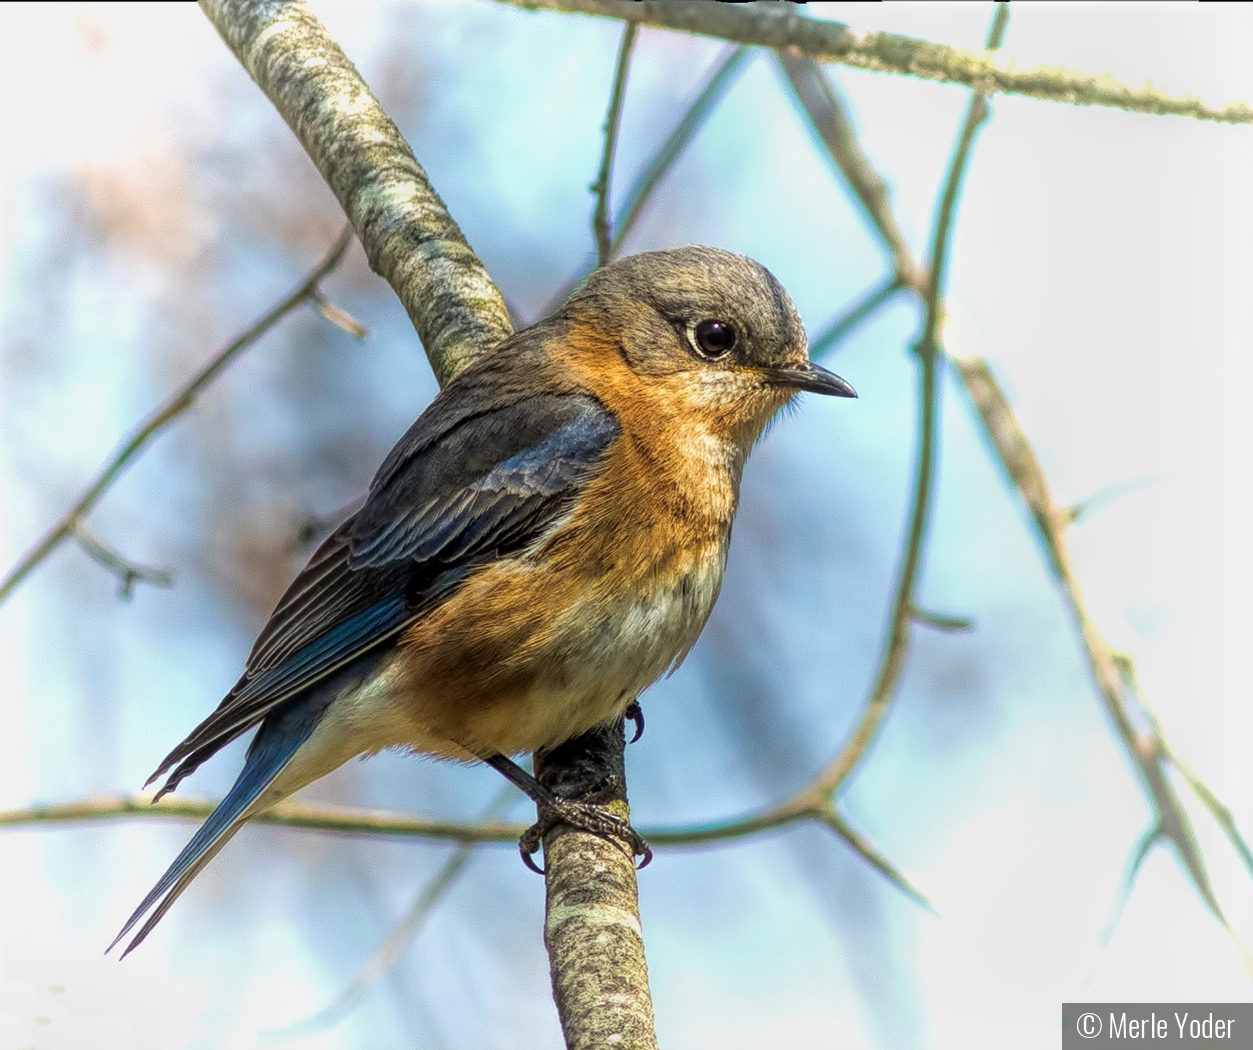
{"x":714,"y":338}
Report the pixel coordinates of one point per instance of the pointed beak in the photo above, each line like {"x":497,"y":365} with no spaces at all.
{"x":811,"y":377}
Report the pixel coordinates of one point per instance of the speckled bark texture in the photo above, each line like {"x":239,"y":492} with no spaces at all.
{"x":787,"y":28}
{"x":592,"y":921}
{"x":409,"y":237}
{"x":593,"y":933}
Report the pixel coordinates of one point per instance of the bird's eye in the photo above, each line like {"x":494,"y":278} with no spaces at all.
{"x":714,"y":338}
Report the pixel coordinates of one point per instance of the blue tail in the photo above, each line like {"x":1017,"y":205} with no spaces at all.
{"x":278,"y":739}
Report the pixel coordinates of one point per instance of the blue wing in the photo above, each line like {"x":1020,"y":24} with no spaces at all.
{"x":464,"y":486}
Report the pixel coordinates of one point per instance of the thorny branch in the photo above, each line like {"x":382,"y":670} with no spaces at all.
{"x":71,"y":523}
{"x":782,"y":28}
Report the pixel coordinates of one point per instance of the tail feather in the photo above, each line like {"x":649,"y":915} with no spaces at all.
{"x":274,"y":746}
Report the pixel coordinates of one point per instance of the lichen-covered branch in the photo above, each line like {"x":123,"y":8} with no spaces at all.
{"x":782,"y":27}
{"x":408,"y":235}
{"x":412,"y":241}
{"x":592,"y":915}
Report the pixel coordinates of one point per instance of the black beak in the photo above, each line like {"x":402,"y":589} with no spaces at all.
{"x":811,"y":377}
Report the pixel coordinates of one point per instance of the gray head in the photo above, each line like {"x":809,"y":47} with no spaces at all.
{"x":717,"y":328}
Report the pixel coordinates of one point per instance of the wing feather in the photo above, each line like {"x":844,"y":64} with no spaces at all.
{"x":464,"y":486}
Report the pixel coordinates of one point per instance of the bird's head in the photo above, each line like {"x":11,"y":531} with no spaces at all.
{"x":713,"y":333}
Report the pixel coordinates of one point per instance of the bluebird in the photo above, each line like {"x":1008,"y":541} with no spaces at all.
{"x":542,"y":544}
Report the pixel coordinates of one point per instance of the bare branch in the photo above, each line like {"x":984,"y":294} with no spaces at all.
{"x":613,"y":120}
{"x":128,"y":572}
{"x":1111,"y":672}
{"x":893,"y":658}
{"x":829,"y":41}
{"x":408,"y":235}
{"x":402,"y":934}
{"x":173,"y":407}
{"x":829,"y":118}
{"x":842,"y":327}
{"x":663,"y":160}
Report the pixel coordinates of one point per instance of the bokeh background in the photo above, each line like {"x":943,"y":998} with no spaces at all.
{"x":153,"y":204}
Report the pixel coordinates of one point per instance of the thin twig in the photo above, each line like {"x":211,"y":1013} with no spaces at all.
{"x":401,"y":935}
{"x":339,"y":317}
{"x":796,"y":808}
{"x":173,"y":407}
{"x":828,"y":116}
{"x":940,"y":621}
{"x":839,"y":329}
{"x":613,"y":120}
{"x":893,"y":659}
{"x":829,"y":41}
{"x":860,"y":845}
{"x":127,"y":571}
{"x":662,"y":161}
{"x":706,"y":100}
{"x":315,"y":817}
{"x":1107,"y":495}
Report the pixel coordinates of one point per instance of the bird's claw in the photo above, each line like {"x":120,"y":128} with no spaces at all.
{"x":635,"y":713}
{"x":584,"y":815}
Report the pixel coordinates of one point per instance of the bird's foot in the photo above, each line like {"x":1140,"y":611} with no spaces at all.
{"x":583,"y":814}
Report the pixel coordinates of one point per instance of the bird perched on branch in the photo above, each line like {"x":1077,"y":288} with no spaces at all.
{"x":545,"y":541}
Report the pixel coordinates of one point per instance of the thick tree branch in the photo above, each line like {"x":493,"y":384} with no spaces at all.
{"x":412,"y":241}
{"x":592,"y":915}
{"x":408,"y":235}
{"x":781,"y":27}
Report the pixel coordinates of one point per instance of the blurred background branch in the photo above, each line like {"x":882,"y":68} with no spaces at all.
{"x":71,"y":523}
